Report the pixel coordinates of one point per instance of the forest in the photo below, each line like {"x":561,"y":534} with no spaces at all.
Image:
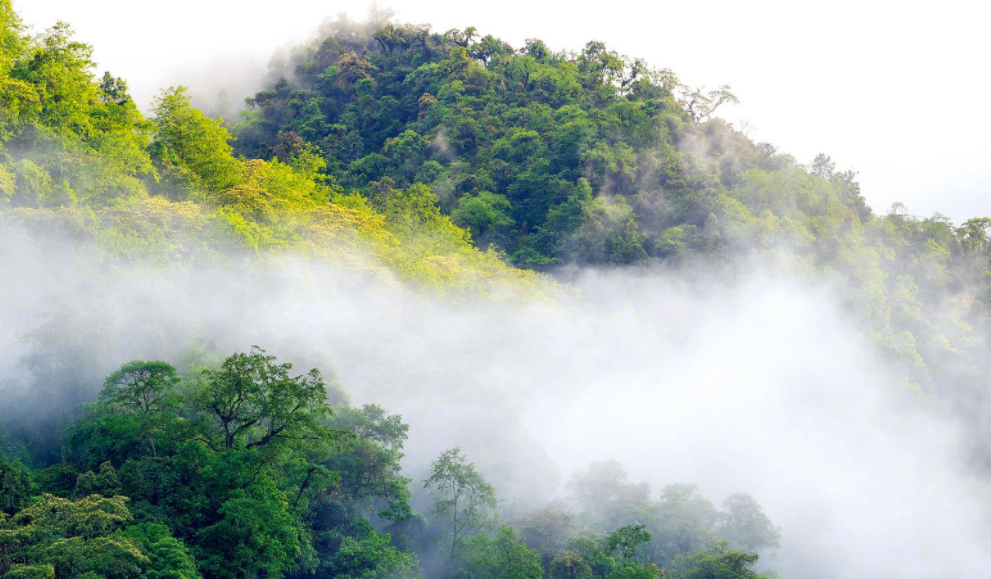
{"x":447,"y":164}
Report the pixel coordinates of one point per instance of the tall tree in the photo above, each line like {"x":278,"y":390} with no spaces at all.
{"x":463,"y":501}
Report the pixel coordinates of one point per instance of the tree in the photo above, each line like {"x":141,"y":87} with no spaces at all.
{"x":547,"y":530}
{"x":569,"y":565}
{"x":974,"y":233}
{"x":137,"y":415}
{"x":233,"y":462}
{"x":746,"y":526}
{"x":633,"y":571}
{"x":486,"y":216}
{"x":716,"y":562}
{"x":684,"y":522}
{"x":257,"y":533}
{"x":190,"y":149}
{"x":143,"y":387}
{"x":103,"y":483}
{"x":586,"y":552}
{"x":367,"y":485}
{"x":168,"y":557}
{"x":608,"y":499}
{"x":626,"y":540}
{"x":362,"y":553}
{"x":18,"y":99}
{"x":700,"y":105}
{"x":264,"y":441}
{"x":413,"y":210}
{"x":15,"y":486}
{"x":462,"y":498}
{"x":823,"y":167}
{"x":254,"y":401}
{"x":351,"y":68}
{"x":11,"y":36}
{"x":113,"y":89}
{"x":505,"y":556}
{"x":61,"y":71}
{"x":369,"y":467}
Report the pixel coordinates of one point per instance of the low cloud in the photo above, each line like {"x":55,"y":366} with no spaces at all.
{"x":736,"y":378}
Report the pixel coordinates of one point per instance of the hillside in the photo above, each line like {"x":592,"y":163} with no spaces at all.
{"x":77,"y":155}
{"x":598,"y":159}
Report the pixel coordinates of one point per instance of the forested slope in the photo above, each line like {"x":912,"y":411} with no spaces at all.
{"x":593,"y":158}
{"x":78,"y":155}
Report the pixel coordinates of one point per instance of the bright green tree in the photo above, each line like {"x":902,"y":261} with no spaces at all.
{"x":191,"y":150}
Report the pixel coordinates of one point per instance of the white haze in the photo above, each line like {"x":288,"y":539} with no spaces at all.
{"x":755,"y":382}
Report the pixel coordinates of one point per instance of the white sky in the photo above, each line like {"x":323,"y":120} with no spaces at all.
{"x":893,"y":90}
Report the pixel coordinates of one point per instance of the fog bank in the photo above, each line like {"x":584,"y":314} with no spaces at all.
{"x":738,"y":379}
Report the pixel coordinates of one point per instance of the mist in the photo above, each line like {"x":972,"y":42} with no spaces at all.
{"x":738,"y":378}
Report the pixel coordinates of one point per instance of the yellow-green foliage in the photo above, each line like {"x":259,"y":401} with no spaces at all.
{"x":59,"y":538}
{"x":276,"y":209}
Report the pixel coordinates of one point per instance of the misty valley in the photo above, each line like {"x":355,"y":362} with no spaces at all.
{"x":429,"y":305}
